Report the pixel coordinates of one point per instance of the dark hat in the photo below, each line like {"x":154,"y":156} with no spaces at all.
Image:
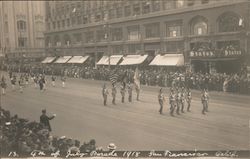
{"x":44,"y":111}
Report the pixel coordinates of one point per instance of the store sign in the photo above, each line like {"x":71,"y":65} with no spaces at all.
{"x":232,"y":53}
{"x":201,"y":54}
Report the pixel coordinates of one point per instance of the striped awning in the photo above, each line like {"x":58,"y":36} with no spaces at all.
{"x":78,"y":59}
{"x":133,"y":59}
{"x":112,"y":60}
{"x":48,"y":59}
{"x":168,"y":60}
{"x":63,"y":59}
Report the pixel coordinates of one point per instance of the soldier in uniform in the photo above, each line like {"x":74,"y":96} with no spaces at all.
{"x":44,"y":82}
{"x":13,"y":81}
{"x":172,"y":101}
{"x":137,"y":89}
{"x":63,"y":81}
{"x":188,"y":99}
{"x":41,"y":83}
{"x":178,"y":101}
{"x":161,"y":100}
{"x":3,"y":84}
{"x":105,"y":94}
{"x":122,"y":91}
{"x":53,"y":79}
{"x":26,"y":79}
{"x":182,"y":99}
{"x":114,"y":91}
{"x":130,"y":89}
{"x":204,"y":100}
{"x":21,"y":83}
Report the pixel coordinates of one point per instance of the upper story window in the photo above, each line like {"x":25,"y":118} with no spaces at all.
{"x":134,"y":32}
{"x":136,"y":9}
{"x":152,"y":30}
{"x":199,"y":26}
{"x":89,"y":36}
{"x":21,"y":25}
{"x":204,"y":1}
{"x":111,"y":13}
{"x":174,"y":29}
{"x":190,"y":2}
{"x":229,"y":22}
{"x":116,"y":34}
{"x":179,"y":3}
{"x":127,"y":11}
{"x":119,"y":12}
{"x":169,"y":4}
{"x":101,"y":35}
{"x":146,"y":7}
{"x":67,"y":40}
{"x":156,"y":5}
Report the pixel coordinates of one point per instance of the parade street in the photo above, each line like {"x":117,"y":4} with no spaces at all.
{"x":137,"y":125}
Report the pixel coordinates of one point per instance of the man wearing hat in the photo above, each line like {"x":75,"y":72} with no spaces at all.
{"x":130,"y":89}
{"x":3,"y":84}
{"x":172,"y":101}
{"x":161,"y":100}
{"x":111,"y":147}
{"x":204,"y":101}
{"x":188,"y":99}
{"x":105,"y":94}
{"x":182,"y":99}
{"x":122,"y":91}
{"x":44,"y":119}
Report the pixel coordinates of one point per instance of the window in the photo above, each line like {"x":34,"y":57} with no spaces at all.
{"x":79,"y":20}
{"x":89,"y":36}
{"x":199,"y":26}
{"x":48,"y":26}
{"x":21,"y":25}
{"x":68,"y":22}
{"x":146,"y":7}
{"x":230,"y":45}
{"x":201,"y":46}
{"x":204,"y":1}
{"x":57,"y":41}
{"x":54,"y":25}
{"x":137,"y":9}
{"x":101,"y":35}
{"x":134,"y":32}
{"x":116,"y":34}
{"x":58,"y":24}
{"x":152,"y":30}
{"x":98,"y":17}
{"x":169,"y":4}
{"x":22,"y":42}
{"x":40,"y":27}
{"x":179,"y":3}
{"x":117,"y":49}
{"x":67,"y":40}
{"x":78,"y":38}
{"x":63,"y":23}
{"x":174,"y":29}
{"x":6,"y":27}
{"x":111,"y":13}
{"x":119,"y":12}
{"x":85,"y":20}
{"x":229,"y":22}
{"x":134,"y":48}
{"x":127,"y":11}
{"x":190,"y":2}
{"x":174,"y":46}
{"x":156,"y":5}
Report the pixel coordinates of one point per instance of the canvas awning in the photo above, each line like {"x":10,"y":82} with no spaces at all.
{"x":63,"y":59}
{"x":168,"y":60}
{"x":113,"y":60}
{"x":133,"y":59}
{"x":78,"y":59}
{"x":48,"y":59}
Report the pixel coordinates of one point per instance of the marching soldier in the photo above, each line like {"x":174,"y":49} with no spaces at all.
{"x":161,"y":100}
{"x":114,"y":91}
{"x":21,"y":83}
{"x":13,"y":81}
{"x":172,"y":101}
{"x":63,"y":81}
{"x":182,"y":99}
{"x":3,"y":85}
{"x":188,"y":99}
{"x":122,"y":91}
{"x":44,"y":82}
{"x":178,"y":101}
{"x":53,"y":79}
{"x":41,"y":83}
{"x":26,"y":79}
{"x":204,"y":100}
{"x":130,"y":89}
{"x":137,"y":89}
{"x":105,"y":94}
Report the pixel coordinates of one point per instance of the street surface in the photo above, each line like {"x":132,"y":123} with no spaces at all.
{"x":137,"y":125}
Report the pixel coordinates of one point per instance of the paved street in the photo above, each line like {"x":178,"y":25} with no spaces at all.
{"x":137,"y":125}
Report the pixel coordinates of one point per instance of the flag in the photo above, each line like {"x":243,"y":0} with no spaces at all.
{"x":113,"y":77}
{"x":241,"y":22}
{"x":137,"y":78}
{"x":124,"y":78}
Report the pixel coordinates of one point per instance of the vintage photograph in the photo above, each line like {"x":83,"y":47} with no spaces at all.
{"x":125,"y":78}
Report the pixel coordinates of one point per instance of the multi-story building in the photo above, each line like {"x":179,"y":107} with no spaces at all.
{"x":22,"y":26}
{"x":211,"y":34}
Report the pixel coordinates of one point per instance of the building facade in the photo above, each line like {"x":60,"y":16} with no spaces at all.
{"x":213,"y":35}
{"x":22,"y":26}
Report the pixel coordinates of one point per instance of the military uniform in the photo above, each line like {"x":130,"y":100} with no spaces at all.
{"x":105,"y":95}
{"x":53,"y":79}
{"x":182,"y":100}
{"x":204,"y":100}
{"x":188,"y":99}
{"x":122,"y":91}
{"x":114,"y":91}
{"x":3,"y":85}
{"x":137,"y":89}
{"x":179,"y":102}
{"x":130,"y":89}
{"x":172,"y":102}
{"x":21,"y":83}
{"x":13,"y":81}
{"x":161,"y":100}
{"x":63,"y":81}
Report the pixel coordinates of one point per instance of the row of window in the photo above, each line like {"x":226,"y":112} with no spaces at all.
{"x":141,"y":7}
{"x":228,"y":22}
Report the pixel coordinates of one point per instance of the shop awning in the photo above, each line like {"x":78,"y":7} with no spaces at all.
{"x":113,"y":60}
{"x":63,"y":59}
{"x":48,"y":59}
{"x":133,"y":59}
{"x":78,"y":59}
{"x":168,"y":60}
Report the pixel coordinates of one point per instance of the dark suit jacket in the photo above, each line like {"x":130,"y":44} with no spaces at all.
{"x":44,"y":119}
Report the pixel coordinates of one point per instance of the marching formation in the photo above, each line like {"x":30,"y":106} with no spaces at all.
{"x":180,"y":98}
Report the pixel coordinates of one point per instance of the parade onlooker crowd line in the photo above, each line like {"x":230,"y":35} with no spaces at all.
{"x":235,"y":82}
{"x":23,"y":136}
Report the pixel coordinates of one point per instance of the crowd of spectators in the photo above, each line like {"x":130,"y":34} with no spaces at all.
{"x":235,"y":82}
{"x":23,"y":136}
